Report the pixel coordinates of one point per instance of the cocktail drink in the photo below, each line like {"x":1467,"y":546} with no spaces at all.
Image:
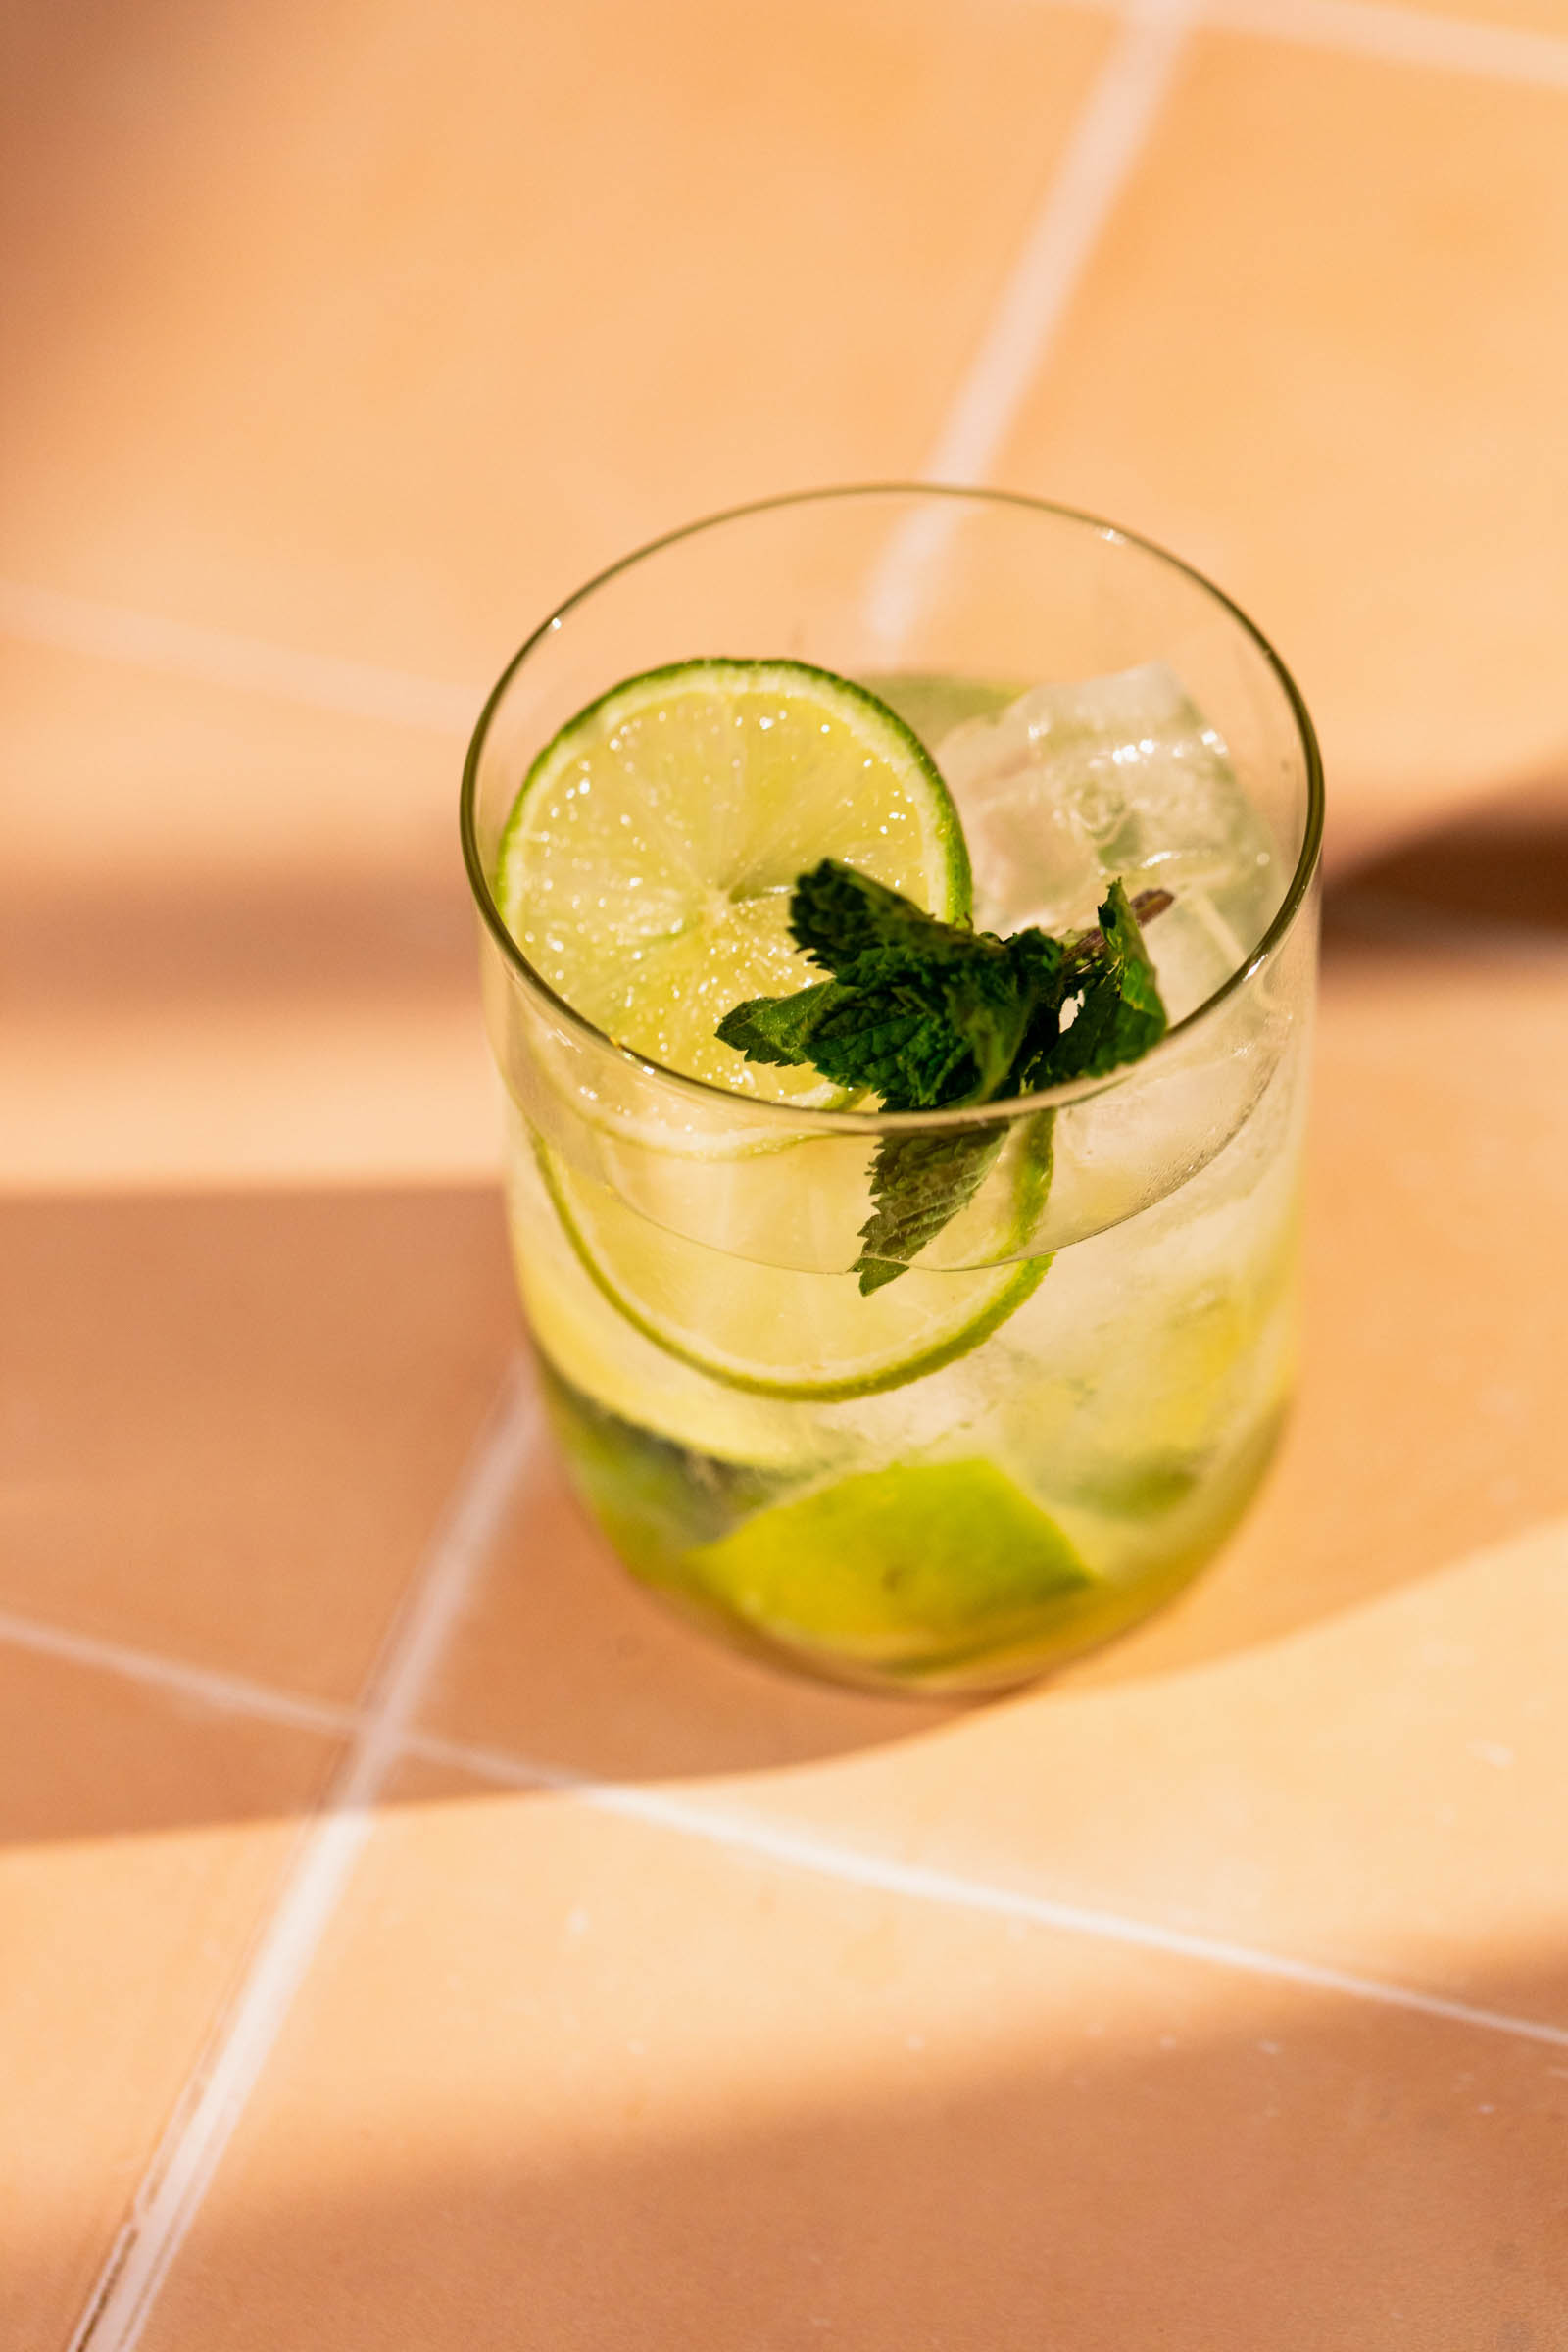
{"x":936,"y":799}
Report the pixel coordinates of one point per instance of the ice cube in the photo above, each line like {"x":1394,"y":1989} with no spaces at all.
{"x":1119,"y":776}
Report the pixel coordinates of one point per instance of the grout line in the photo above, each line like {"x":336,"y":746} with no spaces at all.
{"x":788,"y":1848}
{"x":216,"y":2098}
{"x":1100,"y":157}
{"x":799,"y":1849}
{"x":224,"y":1693}
{"x":1406,"y":37}
{"x":767,"y":1842}
{"x":80,"y":624}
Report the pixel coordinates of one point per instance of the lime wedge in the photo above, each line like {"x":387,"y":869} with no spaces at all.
{"x":902,"y":1562}
{"x":647,"y":865}
{"x":782,"y":1331}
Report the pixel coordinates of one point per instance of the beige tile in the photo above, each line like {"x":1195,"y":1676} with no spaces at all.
{"x":236,"y":940}
{"x":564,"y":1658}
{"x":1381,"y":1794}
{"x":282,"y":1091}
{"x":123,"y":781}
{"x":559,"y":2081}
{"x":1517,"y":16}
{"x":140,"y":1842}
{"x":247,"y":281}
{"x":1321,"y":354}
{"x":228,"y":1426}
{"x":378,"y":336}
{"x":90,"y":1753}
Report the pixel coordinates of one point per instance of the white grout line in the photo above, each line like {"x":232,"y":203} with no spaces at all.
{"x":79,"y":624}
{"x":798,"y":1849}
{"x":224,"y":1693}
{"x":184,"y":2167}
{"x":1100,"y":157}
{"x":1403,"y":36}
{"x":738,"y":1833}
{"x":767,"y":1842}
{"x":742,"y":1834}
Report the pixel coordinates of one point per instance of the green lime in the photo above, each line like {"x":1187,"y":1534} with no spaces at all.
{"x":647,"y":865}
{"x":897,"y":1562}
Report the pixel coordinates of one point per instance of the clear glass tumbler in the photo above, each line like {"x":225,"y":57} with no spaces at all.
{"x":1054,"y":1418}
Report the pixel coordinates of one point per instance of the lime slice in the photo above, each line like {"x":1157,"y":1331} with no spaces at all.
{"x":647,"y":866}
{"x":902,"y":1562}
{"x":591,"y":1345}
{"x":782,"y":1331}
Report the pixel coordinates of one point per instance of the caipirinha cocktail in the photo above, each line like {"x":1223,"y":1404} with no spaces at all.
{"x":921,"y":1389}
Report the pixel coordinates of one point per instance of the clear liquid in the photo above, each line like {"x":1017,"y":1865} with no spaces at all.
{"x":971,"y":1527}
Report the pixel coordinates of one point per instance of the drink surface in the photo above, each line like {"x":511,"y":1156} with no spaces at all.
{"x":1056,"y":1416}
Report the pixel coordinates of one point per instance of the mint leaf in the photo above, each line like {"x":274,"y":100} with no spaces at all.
{"x":836,"y":914}
{"x":777,"y":1029}
{"x":932,"y":1016}
{"x":919,"y":1182}
{"x":1117,"y":1009}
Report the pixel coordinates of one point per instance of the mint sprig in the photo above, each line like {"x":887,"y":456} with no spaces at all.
{"x":932,"y":1017}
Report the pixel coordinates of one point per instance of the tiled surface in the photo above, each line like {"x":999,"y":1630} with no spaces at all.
{"x":376,"y":337}
{"x":720,"y":2104}
{"x":234,"y":945}
{"x":374,"y":343}
{"x":1374,"y":1795}
{"x":338,"y":350}
{"x":229,"y":1425}
{"x":259,"y":1091}
{"x":1338,"y":398}
{"x":560,"y":1655}
{"x":142,"y":1844}
{"x":1542,"y":18}
{"x":125,"y":780}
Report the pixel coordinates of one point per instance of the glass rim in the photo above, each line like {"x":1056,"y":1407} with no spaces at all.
{"x":806,"y":1120}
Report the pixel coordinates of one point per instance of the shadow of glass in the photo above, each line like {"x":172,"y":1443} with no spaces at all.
{"x":236,"y":941}
{"x":1500,"y":866}
{"x":1232,"y":2164}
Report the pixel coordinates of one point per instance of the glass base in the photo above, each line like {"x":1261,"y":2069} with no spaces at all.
{"x":873,"y":1580}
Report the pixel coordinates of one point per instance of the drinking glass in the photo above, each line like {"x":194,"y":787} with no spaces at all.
{"x":1054,"y":1418}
